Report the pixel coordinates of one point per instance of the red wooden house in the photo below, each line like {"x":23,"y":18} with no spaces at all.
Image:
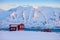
{"x":14,"y":27}
{"x":21,"y":27}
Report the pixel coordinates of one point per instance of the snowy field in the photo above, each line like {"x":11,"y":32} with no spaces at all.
{"x":28,"y":35}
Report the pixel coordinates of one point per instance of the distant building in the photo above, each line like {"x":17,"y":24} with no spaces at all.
{"x":21,"y":27}
{"x":48,"y":30}
{"x":14,"y":27}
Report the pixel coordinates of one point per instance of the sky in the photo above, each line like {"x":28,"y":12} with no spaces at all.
{"x":8,"y":4}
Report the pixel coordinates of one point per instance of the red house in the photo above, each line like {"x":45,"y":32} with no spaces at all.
{"x":21,"y":26}
{"x":14,"y":27}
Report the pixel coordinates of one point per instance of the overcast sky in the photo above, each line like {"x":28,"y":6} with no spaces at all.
{"x":7,"y":4}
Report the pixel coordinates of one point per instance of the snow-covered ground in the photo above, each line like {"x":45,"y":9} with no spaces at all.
{"x":28,"y":35}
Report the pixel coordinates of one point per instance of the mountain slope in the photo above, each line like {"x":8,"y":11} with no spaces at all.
{"x":46,"y":17}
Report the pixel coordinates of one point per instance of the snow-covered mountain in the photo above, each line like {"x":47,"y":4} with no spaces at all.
{"x":45,"y":17}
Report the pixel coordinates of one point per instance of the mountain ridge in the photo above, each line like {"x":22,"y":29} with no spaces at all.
{"x":42,"y":16}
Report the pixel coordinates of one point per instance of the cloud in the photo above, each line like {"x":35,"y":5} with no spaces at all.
{"x":7,"y":6}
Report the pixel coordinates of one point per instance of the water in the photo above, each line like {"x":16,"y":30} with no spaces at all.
{"x":32,"y":29}
{"x":55,"y":30}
